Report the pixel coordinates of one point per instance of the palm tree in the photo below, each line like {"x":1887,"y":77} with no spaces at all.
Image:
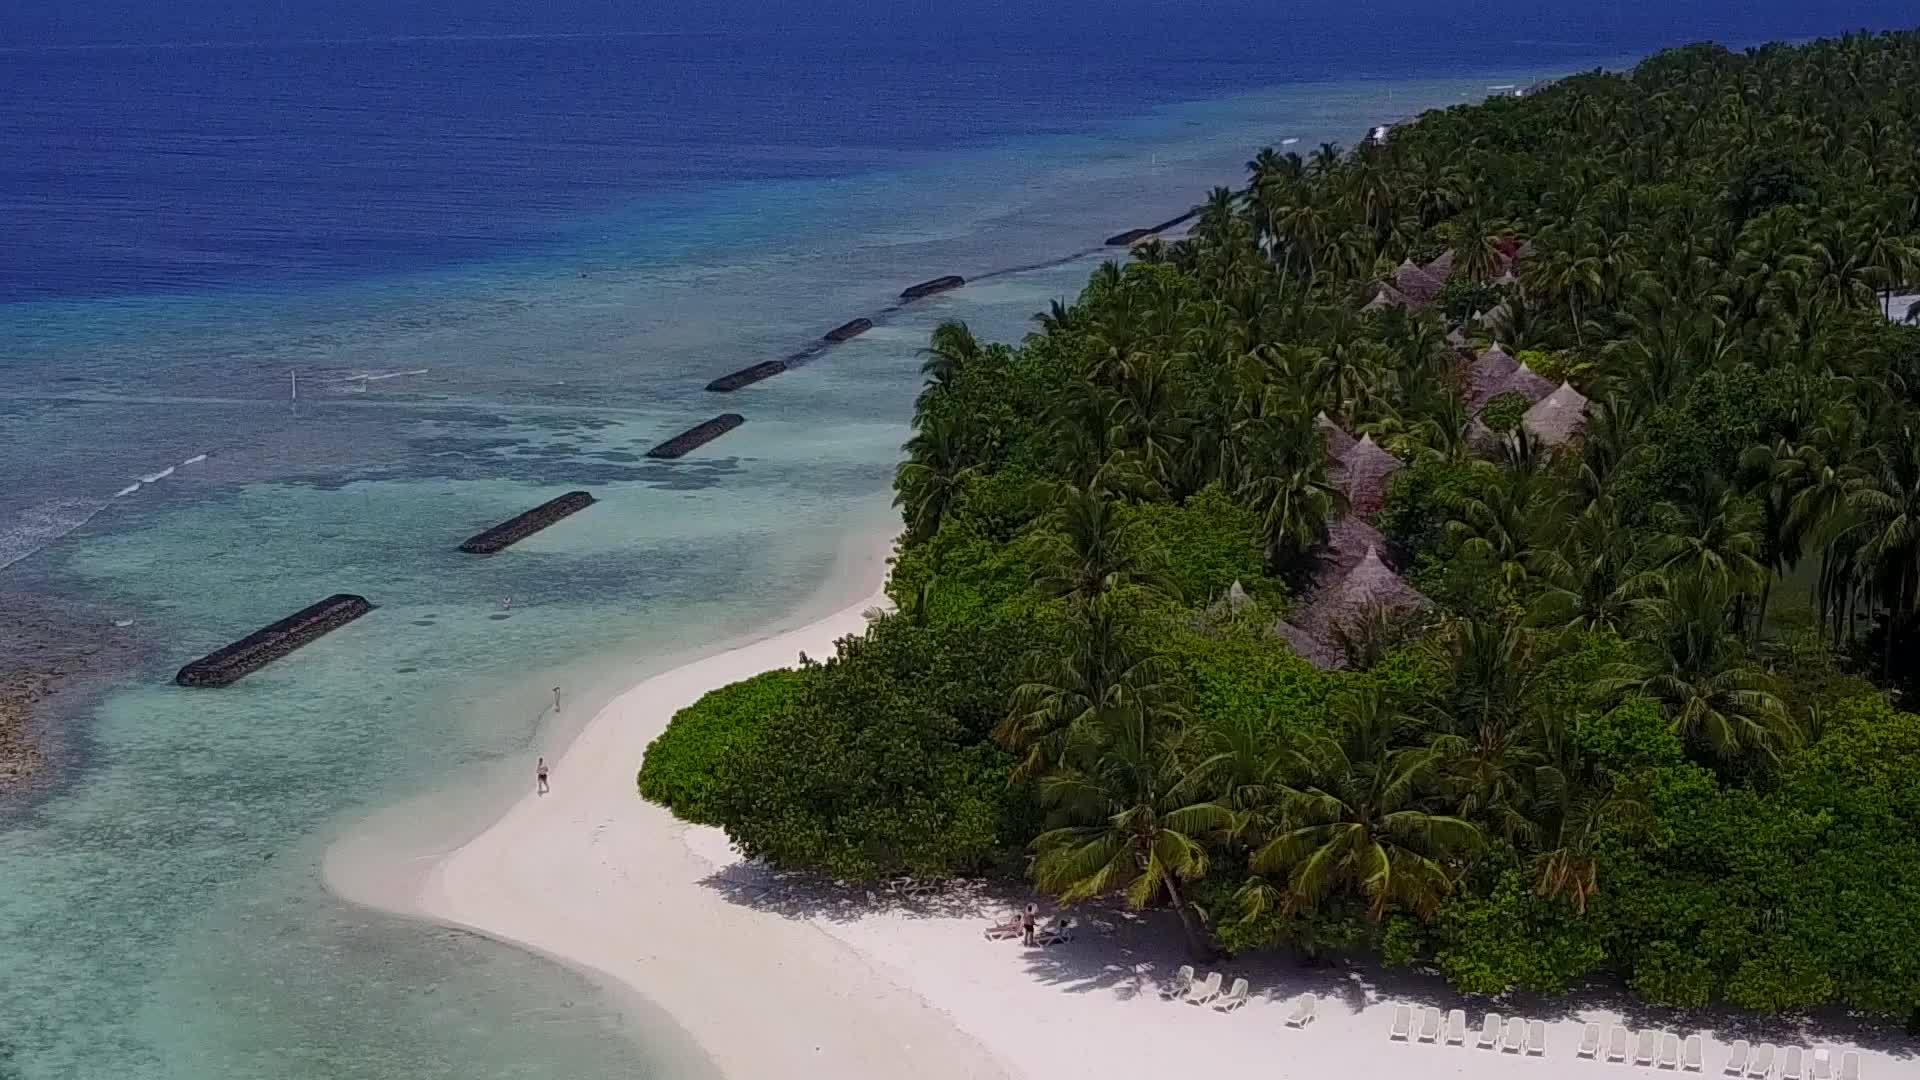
{"x":1574,"y":816}
{"x":937,"y":468}
{"x":1694,"y":668}
{"x":1357,"y":820}
{"x":950,"y":350}
{"x":1128,"y":819}
{"x":1880,"y":525}
{"x":1714,"y":534}
{"x":1098,"y":673}
{"x":1095,"y":546}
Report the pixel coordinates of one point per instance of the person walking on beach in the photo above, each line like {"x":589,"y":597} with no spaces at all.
{"x":1029,"y":923}
{"x":556,"y":699}
{"x":540,"y":774}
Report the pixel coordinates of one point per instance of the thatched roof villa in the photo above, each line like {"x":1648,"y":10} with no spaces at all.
{"x":1558,"y":417}
{"x":1415,"y":284}
{"x":1441,"y":268}
{"x":1333,"y":436}
{"x":1387,"y":297}
{"x":1525,"y":382}
{"x":1370,"y":585}
{"x":1362,"y":474}
{"x":1485,"y":373}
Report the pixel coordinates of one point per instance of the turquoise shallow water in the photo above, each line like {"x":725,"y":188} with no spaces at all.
{"x":162,"y":913}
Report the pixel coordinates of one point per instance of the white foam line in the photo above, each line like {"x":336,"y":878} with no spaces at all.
{"x":128,"y":490}
{"x":195,"y":459}
{"x":161,"y":475}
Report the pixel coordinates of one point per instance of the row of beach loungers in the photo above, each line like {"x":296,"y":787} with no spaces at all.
{"x":1661,"y":1049}
{"x":1515,"y":1036}
{"x":1665,"y":1050}
{"x":1185,"y":986}
{"x":1055,"y":931}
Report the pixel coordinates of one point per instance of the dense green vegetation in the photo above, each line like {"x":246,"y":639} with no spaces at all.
{"x":1645,"y":727}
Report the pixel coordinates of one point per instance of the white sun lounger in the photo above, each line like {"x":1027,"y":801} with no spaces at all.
{"x":1850,"y":1065}
{"x":1536,"y":1037}
{"x":1617,"y":1039}
{"x":1793,"y":1065}
{"x":1737,"y":1058}
{"x":1762,"y":1063}
{"x":1457,"y":1027}
{"x":1490,"y":1031}
{"x":1590,"y":1042}
{"x":1516,"y":1040}
{"x":1205,"y":990}
{"x":1402,"y":1024}
{"x":1822,"y":1064}
{"x":1235,"y":997}
{"x":1669,"y":1050}
{"x":1058,"y":931}
{"x":1648,"y":1048}
{"x":1178,"y":986}
{"x":1693,"y":1054}
{"x":1003,"y":931}
{"x":1430,"y":1025}
{"x":1303,"y":1011}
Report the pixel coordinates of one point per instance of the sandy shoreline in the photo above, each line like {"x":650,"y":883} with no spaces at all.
{"x":769,"y":976}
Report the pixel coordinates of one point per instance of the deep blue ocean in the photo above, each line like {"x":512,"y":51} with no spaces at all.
{"x":500,"y":247}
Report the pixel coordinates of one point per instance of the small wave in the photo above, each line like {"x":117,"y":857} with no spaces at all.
{"x":161,"y":475}
{"x":1290,"y":142}
{"x":38,"y":526}
{"x":128,"y":490}
{"x":195,"y":459}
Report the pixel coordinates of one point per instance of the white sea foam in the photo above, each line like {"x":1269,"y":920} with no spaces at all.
{"x":37,"y":526}
{"x":161,"y":475}
{"x":128,"y":490}
{"x":195,"y":459}
{"x":1289,"y":142}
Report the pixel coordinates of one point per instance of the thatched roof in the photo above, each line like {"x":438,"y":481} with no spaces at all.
{"x":1487,"y":371}
{"x":1457,"y":339}
{"x":1441,"y":268}
{"x":1414,"y":283}
{"x":1494,"y":318}
{"x":1482,"y":439}
{"x":1348,"y":541}
{"x":1557,"y":417}
{"x":1362,"y":474}
{"x":1337,"y":441}
{"x":1370,"y":584}
{"x":1525,"y":382}
{"x":1324,"y":655}
{"x":1387,"y":297}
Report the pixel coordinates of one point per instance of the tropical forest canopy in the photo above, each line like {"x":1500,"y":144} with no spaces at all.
{"x":1536,"y":700}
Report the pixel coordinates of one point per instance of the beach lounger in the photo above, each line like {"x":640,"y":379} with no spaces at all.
{"x":1793,"y":1064}
{"x":1737,"y":1058}
{"x":1536,"y":1037}
{"x":1648,"y":1049}
{"x":1205,"y":990}
{"x":1850,"y":1065}
{"x":1303,"y":1011}
{"x":1617,"y":1038}
{"x":1693,"y":1055}
{"x":1762,"y":1063}
{"x":1490,"y":1031}
{"x":1402,"y":1024}
{"x":1516,"y":1040}
{"x":1457,"y":1027}
{"x":1590,"y":1042}
{"x":1057,"y":932}
{"x":1005,"y":930}
{"x":1669,"y":1050}
{"x":1430,"y":1025}
{"x":1235,"y":997}
{"x":1822,"y":1064}
{"x":1178,"y":986}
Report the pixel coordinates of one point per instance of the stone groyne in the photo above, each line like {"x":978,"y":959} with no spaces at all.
{"x":518,"y":528}
{"x":928,"y":288}
{"x":697,"y":436}
{"x":270,"y":643}
{"x":849,"y":330}
{"x":747,"y":376}
{"x":1128,"y":237}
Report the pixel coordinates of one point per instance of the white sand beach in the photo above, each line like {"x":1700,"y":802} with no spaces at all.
{"x":775,"y":977}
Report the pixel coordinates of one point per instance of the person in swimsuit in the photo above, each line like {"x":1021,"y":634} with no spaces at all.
{"x":1029,"y":922}
{"x":540,"y":773}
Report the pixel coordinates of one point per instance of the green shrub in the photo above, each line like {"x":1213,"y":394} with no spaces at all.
{"x":1503,"y":413}
{"x":684,"y":767}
